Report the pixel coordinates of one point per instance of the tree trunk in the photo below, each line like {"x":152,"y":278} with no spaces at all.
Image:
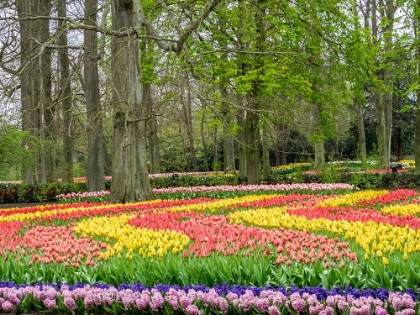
{"x":240,"y":117}
{"x":417,"y":131}
{"x":282,"y":138}
{"x":96,"y":146}
{"x":266,"y":154}
{"x":361,"y":132}
{"x":152,"y":130}
{"x":42,"y":93}
{"x":228,"y":143}
{"x":187,"y":117}
{"x":29,"y":120}
{"x":216,"y":167}
{"x":383,"y":94}
{"x":203,"y":141}
{"x":130,"y":178}
{"x":66,"y":100}
{"x":252,"y":144}
{"x":319,"y":160}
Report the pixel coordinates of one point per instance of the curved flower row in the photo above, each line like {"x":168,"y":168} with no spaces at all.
{"x":352,"y":199}
{"x":196,"y":300}
{"x":145,"y":241}
{"x":375,"y":238}
{"x":78,"y":210}
{"x":214,"y":233}
{"x":255,"y":188}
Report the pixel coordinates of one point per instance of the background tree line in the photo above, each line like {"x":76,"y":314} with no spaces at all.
{"x":135,"y":87}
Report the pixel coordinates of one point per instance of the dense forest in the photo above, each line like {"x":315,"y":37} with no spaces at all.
{"x":129,"y":87}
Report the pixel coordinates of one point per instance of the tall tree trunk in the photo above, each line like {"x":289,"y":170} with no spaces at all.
{"x":65,"y":99}
{"x":240,"y":117}
{"x":152,"y":130}
{"x":29,"y":120}
{"x":96,"y":145}
{"x":228,"y":141}
{"x":203,"y":141}
{"x":216,"y":166}
{"x":282,"y":138}
{"x":361,"y":132}
{"x":130,"y":178}
{"x":266,"y":154}
{"x":417,"y":130}
{"x":187,"y":117}
{"x":42,"y":92}
{"x":318,"y":142}
{"x":252,"y":143}
{"x":383,"y":94}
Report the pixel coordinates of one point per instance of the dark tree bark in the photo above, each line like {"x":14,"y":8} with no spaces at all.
{"x":96,"y":145}
{"x":130,"y":179}
{"x":417,"y":130}
{"x":152,"y":130}
{"x":29,"y":117}
{"x":187,"y":118}
{"x":266,"y":154}
{"x":282,"y":138}
{"x":240,"y":117}
{"x":228,"y":141}
{"x":252,"y":142}
{"x":43,"y":99}
{"x":361,"y":142}
{"x":384,"y":11}
{"x":65,"y":99}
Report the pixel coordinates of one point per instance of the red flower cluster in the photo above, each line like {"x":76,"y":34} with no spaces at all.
{"x":59,"y":244}
{"x":216,"y":234}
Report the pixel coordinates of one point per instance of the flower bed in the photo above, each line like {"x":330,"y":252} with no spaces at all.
{"x":299,"y":250}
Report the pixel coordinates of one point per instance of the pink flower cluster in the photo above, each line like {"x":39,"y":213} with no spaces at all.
{"x":267,"y":302}
{"x":278,"y":187}
{"x":82,"y":195}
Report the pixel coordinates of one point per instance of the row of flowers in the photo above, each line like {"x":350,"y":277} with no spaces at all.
{"x":160,"y":227}
{"x":195,"y":300}
{"x":225,"y":188}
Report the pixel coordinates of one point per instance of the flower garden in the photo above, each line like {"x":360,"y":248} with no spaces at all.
{"x":269,"y":249}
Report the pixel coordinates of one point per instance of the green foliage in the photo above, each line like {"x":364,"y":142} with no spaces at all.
{"x":12,"y":151}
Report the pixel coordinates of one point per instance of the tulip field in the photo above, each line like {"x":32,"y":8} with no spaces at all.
{"x":282,"y":249}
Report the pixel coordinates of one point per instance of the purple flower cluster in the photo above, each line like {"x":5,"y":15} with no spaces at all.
{"x":221,"y":298}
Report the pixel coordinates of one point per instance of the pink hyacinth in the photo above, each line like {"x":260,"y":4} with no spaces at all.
{"x":299,"y":305}
{"x":69,"y":303}
{"x":193,"y":310}
{"x":273,"y":310}
{"x":7,"y":306}
{"x":50,"y":303}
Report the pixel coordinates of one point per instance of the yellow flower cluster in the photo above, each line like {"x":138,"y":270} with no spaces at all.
{"x":130,"y":239}
{"x":412,"y":209}
{"x":375,"y":238}
{"x":212,"y":206}
{"x":407,"y":163}
{"x":290,"y":166}
{"x":351,"y":199}
{"x":39,"y":211}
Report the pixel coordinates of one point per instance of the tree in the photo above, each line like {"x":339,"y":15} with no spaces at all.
{"x":96,"y":146}
{"x":416,"y":26}
{"x":129,"y":170}
{"x":65,"y":97}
